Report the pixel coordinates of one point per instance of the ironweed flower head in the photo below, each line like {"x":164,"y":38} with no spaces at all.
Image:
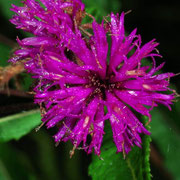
{"x":76,"y":79}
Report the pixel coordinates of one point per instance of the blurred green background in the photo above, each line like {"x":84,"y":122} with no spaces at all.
{"x":34,"y":156}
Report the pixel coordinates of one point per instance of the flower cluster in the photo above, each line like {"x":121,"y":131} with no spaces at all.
{"x":77,"y":77}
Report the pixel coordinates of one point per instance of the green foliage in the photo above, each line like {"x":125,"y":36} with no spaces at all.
{"x":173,"y":116}
{"x":14,"y":164}
{"x":47,"y":161}
{"x":5,"y":6}
{"x":113,"y":166}
{"x":18,"y":125}
{"x":4,"y":54}
{"x":73,"y":163}
{"x":166,"y":137}
{"x":54,"y":162}
{"x":103,"y":7}
{"x":26,"y":81}
{"x":100,"y":8}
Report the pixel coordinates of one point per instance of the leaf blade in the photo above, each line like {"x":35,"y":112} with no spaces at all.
{"x":136,"y":165}
{"x":18,"y":125}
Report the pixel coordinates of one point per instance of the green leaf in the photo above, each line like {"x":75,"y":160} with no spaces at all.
{"x":113,"y":166}
{"x":166,"y":137}
{"x":16,"y":126}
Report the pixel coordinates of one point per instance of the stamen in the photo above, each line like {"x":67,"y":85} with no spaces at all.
{"x":100,"y":86}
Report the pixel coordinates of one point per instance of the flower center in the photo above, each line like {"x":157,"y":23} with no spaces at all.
{"x":101,"y":86}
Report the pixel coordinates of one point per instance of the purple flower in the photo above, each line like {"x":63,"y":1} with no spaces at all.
{"x":45,"y":21}
{"x":76,"y":79}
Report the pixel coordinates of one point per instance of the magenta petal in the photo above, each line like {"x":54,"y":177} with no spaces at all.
{"x":98,"y":131}
{"x":125,"y":126}
{"x":99,"y":47}
{"x":81,"y":130}
{"x":38,"y":41}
